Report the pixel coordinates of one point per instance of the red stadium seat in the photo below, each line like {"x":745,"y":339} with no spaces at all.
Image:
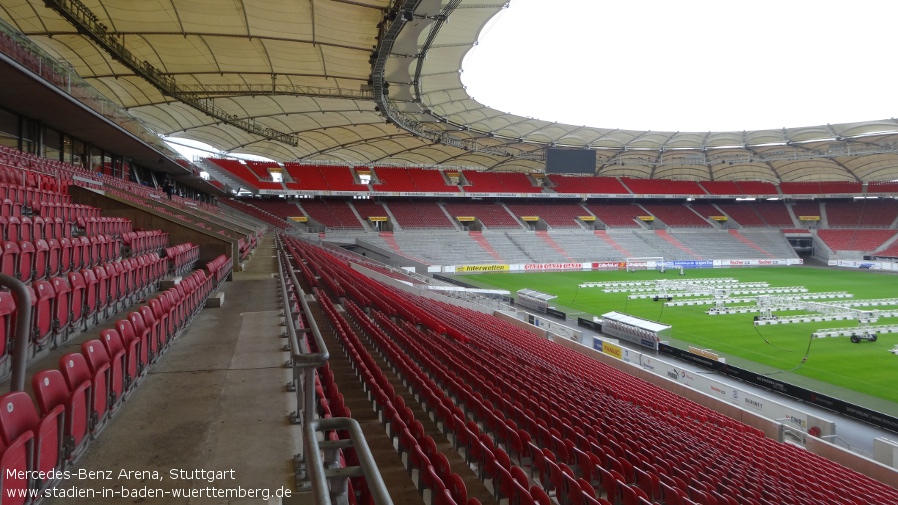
{"x":18,"y":418}
{"x":52,"y":391}
{"x":77,"y":374}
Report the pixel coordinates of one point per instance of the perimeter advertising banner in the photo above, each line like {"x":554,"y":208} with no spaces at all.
{"x":609,"y":265}
{"x":758,"y":263}
{"x":864,"y":265}
{"x":482,"y":268}
{"x":531,"y":267}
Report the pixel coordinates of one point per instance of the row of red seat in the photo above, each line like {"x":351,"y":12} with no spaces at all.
{"x":32,"y":228}
{"x":144,"y":241}
{"x":635,"y":441}
{"x":28,"y":261}
{"x":182,"y":257}
{"x":419,"y":449}
{"x":68,"y":303}
{"x":30,"y":196}
{"x":220,"y":268}
{"x":94,"y":225}
{"x":77,"y":400}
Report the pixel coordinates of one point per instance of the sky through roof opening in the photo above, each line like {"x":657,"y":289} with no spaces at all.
{"x":698,"y":65}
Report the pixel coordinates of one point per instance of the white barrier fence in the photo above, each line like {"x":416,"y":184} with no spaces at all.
{"x":766,"y":407}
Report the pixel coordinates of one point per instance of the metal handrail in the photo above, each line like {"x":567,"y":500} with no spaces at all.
{"x":303,"y":364}
{"x":317,"y":465}
{"x":23,"y":330}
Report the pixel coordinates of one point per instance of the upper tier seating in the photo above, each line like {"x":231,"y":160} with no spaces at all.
{"x":411,"y":180}
{"x":821,"y":188}
{"x":243,"y":173}
{"x":490,"y":215}
{"x":332,"y":214}
{"x":260,"y":168}
{"x":757,"y":188}
{"x":556,"y":215}
{"x":721,"y":187}
{"x":587,"y":184}
{"x":879,"y":187}
{"x":617,"y":215}
{"x":498,"y":182}
{"x":322,"y":178}
{"x":393,"y":179}
{"x":676,"y":215}
{"x":855,"y":240}
{"x":662,"y":187}
{"x":419,"y":215}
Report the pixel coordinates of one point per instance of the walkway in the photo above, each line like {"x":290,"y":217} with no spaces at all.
{"x":214,"y":402}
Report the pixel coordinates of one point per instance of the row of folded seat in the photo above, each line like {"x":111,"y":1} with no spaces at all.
{"x":30,"y":228}
{"x":99,"y":225}
{"x":30,"y":261}
{"x":19,"y":193}
{"x":144,"y":241}
{"x":76,"y":401}
{"x":220,"y":268}
{"x":11,"y":172}
{"x":80,"y":299}
{"x":588,"y":432}
{"x":182,"y":257}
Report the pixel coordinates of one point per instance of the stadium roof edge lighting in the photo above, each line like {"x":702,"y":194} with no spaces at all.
{"x":278,"y":69}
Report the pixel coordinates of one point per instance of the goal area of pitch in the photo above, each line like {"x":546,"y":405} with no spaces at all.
{"x":646,"y":263}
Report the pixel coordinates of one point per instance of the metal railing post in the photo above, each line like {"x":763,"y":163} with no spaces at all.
{"x":319,"y":471}
{"x":23,"y":330}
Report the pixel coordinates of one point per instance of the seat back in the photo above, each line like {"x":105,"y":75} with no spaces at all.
{"x":108,"y":375}
{"x":7,"y":308}
{"x":90,"y":291}
{"x":62,"y":305}
{"x":25,"y":265}
{"x":42,"y":315}
{"x":9,"y":258}
{"x":103,"y":295}
{"x":41,"y":259}
{"x":54,"y":255}
{"x":78,"y":287}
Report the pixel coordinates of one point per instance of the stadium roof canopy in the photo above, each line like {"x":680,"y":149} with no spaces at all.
{"x":378,"y":82}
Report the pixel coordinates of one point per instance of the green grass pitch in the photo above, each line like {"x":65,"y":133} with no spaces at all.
{"x":866,"y":367}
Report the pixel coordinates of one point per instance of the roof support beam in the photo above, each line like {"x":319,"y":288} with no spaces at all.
{"x":89,"y":25}
{"x":205,"y":90}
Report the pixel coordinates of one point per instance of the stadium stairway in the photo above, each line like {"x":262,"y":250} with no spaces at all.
{"x":215,"y":401}
{"x":666,"y":236}
{"x":478,"y":237}
{"x":544,"y":235}
{"x":744,"y":240}
{"x":602,"y":234}
{"x":398,"y":482}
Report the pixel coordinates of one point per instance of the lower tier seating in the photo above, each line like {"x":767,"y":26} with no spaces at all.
{"x":518,"y":406}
